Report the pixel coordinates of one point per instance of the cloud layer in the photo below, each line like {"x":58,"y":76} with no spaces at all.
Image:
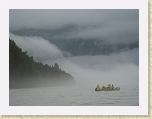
{"x":119,"y":68}
{"x":111,"y":25}
{"x":37,"y":47}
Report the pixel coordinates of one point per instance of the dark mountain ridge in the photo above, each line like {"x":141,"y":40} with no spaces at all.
{"x":77,"y":46}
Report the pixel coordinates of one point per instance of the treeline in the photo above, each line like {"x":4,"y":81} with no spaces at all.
{"x":25,"y":72}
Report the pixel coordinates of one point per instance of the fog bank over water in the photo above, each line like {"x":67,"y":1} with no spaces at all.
{"x":121,"y":68}
{"x":118,"y":69}
{"x":112,"y":26}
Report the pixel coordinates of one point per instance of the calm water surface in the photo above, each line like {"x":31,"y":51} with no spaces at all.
{"x":78,"y":95}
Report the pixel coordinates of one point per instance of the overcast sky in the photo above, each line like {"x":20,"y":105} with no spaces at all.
{"x":117,"y":25}
{"x":110,"y":25}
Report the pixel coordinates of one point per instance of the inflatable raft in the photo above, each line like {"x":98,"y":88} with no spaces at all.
{"x":108,"y":89}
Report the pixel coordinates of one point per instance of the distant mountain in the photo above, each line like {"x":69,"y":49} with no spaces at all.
{"x":77,"y":46}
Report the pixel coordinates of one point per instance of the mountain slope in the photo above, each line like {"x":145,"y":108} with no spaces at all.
{"x":78,"y":46}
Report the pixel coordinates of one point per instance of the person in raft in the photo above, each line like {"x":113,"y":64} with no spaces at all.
{"x":103,"y":87}
{"x":112,"y":86}
{"x":109,"y":86}
{"x":98,"y":87}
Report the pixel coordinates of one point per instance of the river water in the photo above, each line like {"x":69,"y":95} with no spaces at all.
{"x":78,"y":95}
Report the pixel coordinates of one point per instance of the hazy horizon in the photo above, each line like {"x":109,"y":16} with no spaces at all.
{"x":120,"y":68}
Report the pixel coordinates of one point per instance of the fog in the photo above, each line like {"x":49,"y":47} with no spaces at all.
{"x":118,"y":68}
{"x":92,"y":70}
{"x":37,"y":47}
{"x":113,"y":25}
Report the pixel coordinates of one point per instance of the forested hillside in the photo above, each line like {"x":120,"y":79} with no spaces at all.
{"x":24,"y":72}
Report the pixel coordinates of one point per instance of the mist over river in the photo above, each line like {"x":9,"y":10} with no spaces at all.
{"x":95,"y":46}
{"x":78,"y":95}
{"x":119,"y":69}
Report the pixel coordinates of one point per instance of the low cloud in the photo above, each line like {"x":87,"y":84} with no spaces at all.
{"x":118,"y":69}
{"x":37,"y":47}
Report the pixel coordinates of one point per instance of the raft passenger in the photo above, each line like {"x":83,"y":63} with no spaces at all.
{"x":103,"y":87}
{"x":98,"y":87}
{"x":112,"y":86}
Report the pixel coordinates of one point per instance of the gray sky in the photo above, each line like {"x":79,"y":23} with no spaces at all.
{"x":110,"y":25}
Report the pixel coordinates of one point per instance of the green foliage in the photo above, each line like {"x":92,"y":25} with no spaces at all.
{"x":23,"y":67}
